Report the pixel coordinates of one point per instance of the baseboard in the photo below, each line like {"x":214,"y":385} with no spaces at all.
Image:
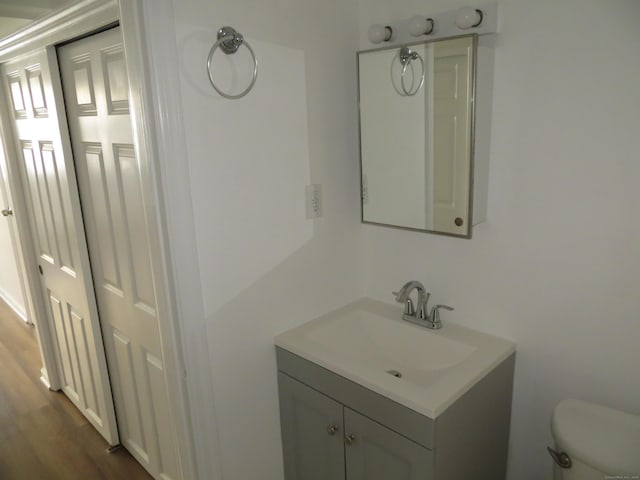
{"x":44,"y":378}
{"x":13,"y":305}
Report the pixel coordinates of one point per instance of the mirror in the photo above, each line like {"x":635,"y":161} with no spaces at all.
{"x":416,"y":135}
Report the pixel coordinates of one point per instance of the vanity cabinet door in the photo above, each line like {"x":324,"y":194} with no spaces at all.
{"x":312,"y":433}
{"x":373,"y":452}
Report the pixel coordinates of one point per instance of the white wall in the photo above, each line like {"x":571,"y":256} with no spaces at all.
{"x":556,"y":266}
{"x":9,"y":25}
{"x":10,"y":288}
{"x":263,"y":267}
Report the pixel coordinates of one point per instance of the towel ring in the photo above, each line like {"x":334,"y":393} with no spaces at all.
{"x":229,"y":41}
{"x":406,"y":57}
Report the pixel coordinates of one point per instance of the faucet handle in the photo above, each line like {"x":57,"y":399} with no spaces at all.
{"x":401,"y":297}
{"x":434,"y":318}
{"x":409,"y":308}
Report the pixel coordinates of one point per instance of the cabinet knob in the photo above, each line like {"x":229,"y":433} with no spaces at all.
{"x":332,"y":429}
{"x":349,"y":439}
{"x":6,"y":212}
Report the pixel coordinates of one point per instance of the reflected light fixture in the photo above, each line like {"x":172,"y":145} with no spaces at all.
{"x":419,"y":25}
{"x":468,"y":17}
{"x":378,"y":33}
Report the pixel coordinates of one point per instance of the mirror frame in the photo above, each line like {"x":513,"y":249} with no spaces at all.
{"x":472,"y":132}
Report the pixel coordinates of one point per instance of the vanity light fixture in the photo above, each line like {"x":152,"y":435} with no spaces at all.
{"x":481,"y":19}
{"x":378,"y":33}
{"x":468,"y":17}
{"x":419,"y":25}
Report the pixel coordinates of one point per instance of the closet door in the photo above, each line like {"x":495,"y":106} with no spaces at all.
{"x":96,"y":91}
{"x":48,"y":180}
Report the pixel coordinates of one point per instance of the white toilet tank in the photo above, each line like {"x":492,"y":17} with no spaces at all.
{"x":601,"y":443}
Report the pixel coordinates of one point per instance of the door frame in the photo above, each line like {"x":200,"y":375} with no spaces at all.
{"x":151,"y":106}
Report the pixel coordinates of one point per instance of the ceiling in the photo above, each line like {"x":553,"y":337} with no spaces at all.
{"x":16,"y":14}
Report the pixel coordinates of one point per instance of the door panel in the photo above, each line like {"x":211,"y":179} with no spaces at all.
{"x":41,"y":222}
{"x":131,"y":415}
{"x":67,"y":373}
{"x":95,"y":84}
{"x":310,"y":451}
{"x":378,"y":453}
{"x":47,"y":175}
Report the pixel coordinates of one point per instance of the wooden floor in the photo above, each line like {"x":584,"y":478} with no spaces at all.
{"x":42,"y":435}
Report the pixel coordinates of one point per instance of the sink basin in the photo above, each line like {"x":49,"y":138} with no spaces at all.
{"x":369,"y":337}
{"x":368,"y":343}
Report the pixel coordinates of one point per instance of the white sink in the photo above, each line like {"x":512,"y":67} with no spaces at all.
{"x":368,"y":343}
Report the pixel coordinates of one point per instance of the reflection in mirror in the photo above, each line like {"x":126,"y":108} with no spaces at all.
{"x":416,"y":125}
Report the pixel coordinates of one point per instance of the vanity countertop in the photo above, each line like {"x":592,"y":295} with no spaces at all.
{"x":368,"y":343}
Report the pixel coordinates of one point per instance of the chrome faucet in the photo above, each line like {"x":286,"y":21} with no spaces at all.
{"x":403,"y":296}
{"x":418,"y":314}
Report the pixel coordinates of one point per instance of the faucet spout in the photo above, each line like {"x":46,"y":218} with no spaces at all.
{"x":412,"y":313}
{"x":402,"y":295}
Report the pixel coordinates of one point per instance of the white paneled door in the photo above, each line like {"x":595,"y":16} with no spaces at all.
{"x":47,"y":175}
{"x":451,"y":135}
{"x":96,"y":91}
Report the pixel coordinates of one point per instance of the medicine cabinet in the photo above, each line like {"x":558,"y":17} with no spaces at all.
{"x":424,"y":134}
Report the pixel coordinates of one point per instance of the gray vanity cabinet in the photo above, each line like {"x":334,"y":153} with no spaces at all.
{"x":336,"y":429}
{"x":324,"y":440}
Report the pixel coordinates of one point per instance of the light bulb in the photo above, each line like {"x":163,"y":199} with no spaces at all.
{"x":468,"y":17}
{"x":419,"y":25}
{"x":378,"y":33}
